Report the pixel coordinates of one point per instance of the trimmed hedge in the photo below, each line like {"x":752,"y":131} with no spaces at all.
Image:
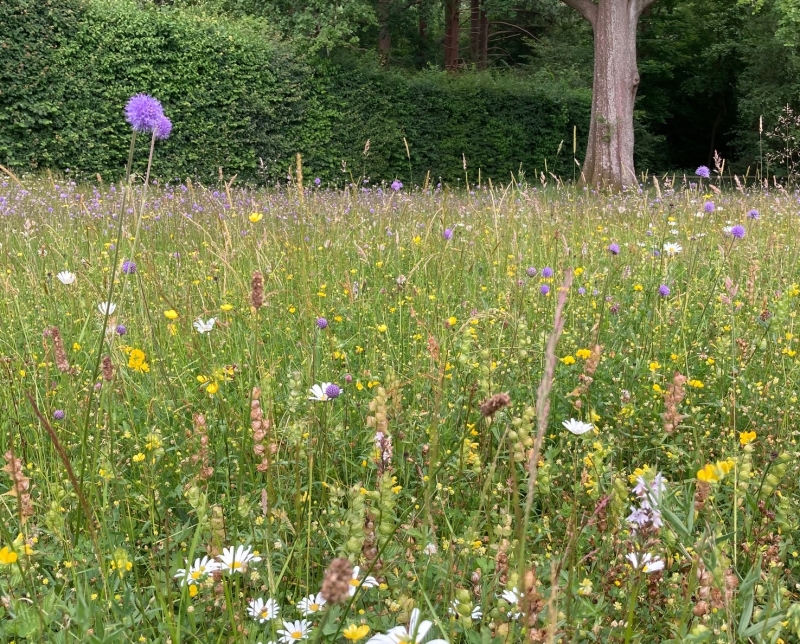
{"x":238,"y":97}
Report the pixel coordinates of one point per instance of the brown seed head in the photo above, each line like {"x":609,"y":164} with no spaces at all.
{"x":336,"y":584}
{"x":494,"y":404}
{"x":257,"y":290}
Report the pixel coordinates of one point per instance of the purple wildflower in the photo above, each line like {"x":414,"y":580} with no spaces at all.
{"x":332,"y":391}
{"x":663,"y":290}
{"x":322,"y":323}
{"x":448,"y":234}
{"x":317,"y":181}
{"x":121,"y":329}
{"x":128,"y":267}
{"x":143,"y":112}
{"x":530,"y":271}
{"x":544,"y":289}
{"x":709,"y":206}
{"x":738,"y":231}
{"x":348,"y":378}
{"x":163,"y":128}
{"x":703,"y":171}
{"x":613,"y":248}
{"x":547,"y":272}
{"x":753,"y":214}
{"x":59,"y":414}
{"x":396,"y":185}
{"x":581,"y":290}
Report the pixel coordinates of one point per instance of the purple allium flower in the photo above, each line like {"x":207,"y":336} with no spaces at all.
{"x":128,"y":267}
{"x":143,"y":112}
{"x":163,"y":128}
{"x":544,"y":289}
{"x":703,"y":171}
{"x":663,"y":290}
{"x":709,"y":206}
{"x":738,"y":231}
{"x":448,"y":234}
{"x":121,"y":329}
{"x":547,"y":272}
{"x":613,"y":248}
{"x":317,"y":181}
{"x":59,"y":414}
{"x":332,"y":391}
{"x":322,"y":323}
{"x":753,"y":214}
{"x":396,"y":185}
{"x":581,"y":290}
{"x":530,"y":271}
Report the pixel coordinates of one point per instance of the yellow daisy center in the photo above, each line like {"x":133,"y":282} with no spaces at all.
{"x":296,"y":635}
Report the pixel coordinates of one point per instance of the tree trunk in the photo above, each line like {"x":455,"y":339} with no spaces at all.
{"x":384,"y":35}
{"x":609,"y":153}
{"x":478,"y":33}
{"x":451,"y":34}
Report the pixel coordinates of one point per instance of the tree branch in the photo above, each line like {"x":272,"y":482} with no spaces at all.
{"x":587,"y":8}
{"x":642,"y":5}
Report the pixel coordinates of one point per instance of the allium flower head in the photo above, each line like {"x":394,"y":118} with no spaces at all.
{"x":703,"y":172}
{"x":396,"y":185}
{"x":530,"y":271}
{"x":709,"y":206}
{"x":738,"y":231}
{"x":613,"y":248}
{"x":547,"y":272}
{"x":544,"y":289}
{"x":143,"y":112}
{"x":663,"y":290}
{"x":121,"y":329}
{"x":448,"y":234}
{"x":753,"y":214}
{"x":317,"y":181}
{"x":322,"y":392}
{"x":59,"y":414}
{"x":163,"y":128}
{"x":128,"y":267}
{"x":322,"y":323}
{"x":332,"y":391}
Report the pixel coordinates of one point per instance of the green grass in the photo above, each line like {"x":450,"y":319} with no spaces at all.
{"x":421,"y":330}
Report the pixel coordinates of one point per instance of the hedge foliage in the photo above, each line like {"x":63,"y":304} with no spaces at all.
{"x":243,"y":100}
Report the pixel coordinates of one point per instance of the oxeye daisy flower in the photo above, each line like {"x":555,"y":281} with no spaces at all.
{"x":512,"y":597}
{"x":106,"y":308}
{"x":294,"y":631}
{"x":66,"y":278}
{"x":476,"y":613}
{"x":324,"y":392}
{"x":311,"y":604}
{"x":645,"y":562}
{"x":234,"y":559}
{"x":204,"y":327}
{"x":413,"y":633}
{"x":263,"y":611}
{"x":355,"y":582}
{"x":672,"y":249}
{"x":197,"y":571}
{"x":577,"y":427}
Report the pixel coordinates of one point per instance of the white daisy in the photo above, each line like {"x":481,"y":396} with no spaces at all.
{"x":512,"y":597}
{"x":66,"y":278}
{"x":294,"y":631}
{"x":311,"y":604}
{"x":263,"y":611}
{"x":106,"y":308}
{"x":235,"y":559}
{"x":672,"y":248}
{"x":204,"y":327}
{"x":319,"y":392}
{"x":414,"y":633}
{"x":368,"y":582}
{"x":197,"y":572}
{"x":645,"y":562}
{"x":577,"y":427}
{"x":476,"y":613}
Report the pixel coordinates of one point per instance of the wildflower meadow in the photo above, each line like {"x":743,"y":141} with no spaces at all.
{"x":397,"y":412}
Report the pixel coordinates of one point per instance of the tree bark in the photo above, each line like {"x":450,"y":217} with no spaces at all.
{"x":609,"y":153}
{"x":478,"y":33}
{"x":384,"y":35}
{"x":451,"y":34}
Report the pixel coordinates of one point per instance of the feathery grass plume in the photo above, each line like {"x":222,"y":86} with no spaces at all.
{"x":300,"y":194}
{"x":673,"y":397}
{"x":20,"y":485}
{"x":336,"y":583}
{"x":260,"y":427}
{"x":107,"y":368}
{"x":257,"y":290}
{"x":58,"y":345}
{"x":494,"y":404}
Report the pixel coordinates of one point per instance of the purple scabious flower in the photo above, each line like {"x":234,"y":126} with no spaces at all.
{"x":703,"y":171}
{"x":128,"y":267}
{"x":317,"y":181}
{"x":663,"y":290}
{"x":547,"y":272}
{"x":448,"y":234}
{"x":753,"y":214}
{"x":613,"y":248}
{"x":143,"y":112}
{"x":59,"y":414}
{"x":738,"y":231}
{"x":709,"y":206}
{"x":396,"y":185}
{"x":163,"y":128}
{"x":544,"y":289}
{"x":530,"y":271}
{"x":121,"y":329}
{"x":322,"y":323}
{"x":332,"y":391}
{"x":581,"y":290}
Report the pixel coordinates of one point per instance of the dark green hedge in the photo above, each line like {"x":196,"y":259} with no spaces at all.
{"x":238,"y":96}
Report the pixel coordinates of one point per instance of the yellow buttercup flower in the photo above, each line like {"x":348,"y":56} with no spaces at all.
{"x":583,"y":354}
{"x":355,"y":633}
{"x":382,"y":328}
{"x":568,"y":360}
{"x":212,"y":388}
{"x":226,"y":307}
{"x":172,"y":314}
{"x":451,"y":321}
{"x":7,"y":556}
{"x":256,"y":217}
{"x":745,"y":438}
